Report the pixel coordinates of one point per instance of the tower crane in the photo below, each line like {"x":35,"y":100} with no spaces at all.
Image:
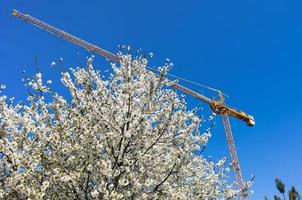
{"x":217,"y":106}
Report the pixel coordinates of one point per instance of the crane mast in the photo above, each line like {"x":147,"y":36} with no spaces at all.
{"x":231,"y":145}
{"x":217,"y":107}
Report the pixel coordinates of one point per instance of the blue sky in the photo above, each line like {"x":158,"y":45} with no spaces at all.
{"x":250,"y":49}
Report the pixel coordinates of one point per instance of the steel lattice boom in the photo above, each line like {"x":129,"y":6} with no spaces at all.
{"x":217,"y":107}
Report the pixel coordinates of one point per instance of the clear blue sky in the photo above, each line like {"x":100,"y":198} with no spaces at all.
{"x":251,"y":49}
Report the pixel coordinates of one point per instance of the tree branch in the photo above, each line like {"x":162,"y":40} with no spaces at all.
{"x":165,"y":179}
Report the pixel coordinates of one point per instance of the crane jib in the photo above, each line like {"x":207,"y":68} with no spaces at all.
{"x":91,"y":47}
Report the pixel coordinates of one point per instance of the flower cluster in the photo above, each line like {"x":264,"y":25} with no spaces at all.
{"x":128,"y":136}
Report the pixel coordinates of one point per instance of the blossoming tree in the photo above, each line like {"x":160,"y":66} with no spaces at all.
{"x":128,"y":136}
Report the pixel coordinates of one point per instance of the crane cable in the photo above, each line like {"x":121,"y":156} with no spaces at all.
{"x":188,"y":81}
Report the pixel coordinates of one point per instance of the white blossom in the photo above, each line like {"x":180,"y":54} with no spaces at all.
{"x":94,"y":193}
{"x":2,"y":87}
{"x":65,"y":178}
{"x":126,"y":137}
{"x":151,"y":54}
